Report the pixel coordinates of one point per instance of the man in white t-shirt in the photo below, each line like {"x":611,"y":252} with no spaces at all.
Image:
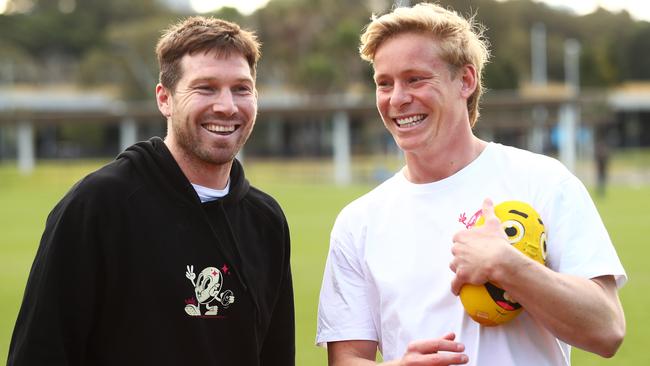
{"x":400,"y":254}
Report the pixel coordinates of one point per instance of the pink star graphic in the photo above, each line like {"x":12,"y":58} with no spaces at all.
{"x":214,"y":273}
{"x":225,"y":269}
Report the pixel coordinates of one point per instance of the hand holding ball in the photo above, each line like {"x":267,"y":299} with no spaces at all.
{"x":488,"y":304}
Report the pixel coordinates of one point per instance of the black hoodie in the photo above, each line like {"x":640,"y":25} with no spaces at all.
{"x":133,"y":269}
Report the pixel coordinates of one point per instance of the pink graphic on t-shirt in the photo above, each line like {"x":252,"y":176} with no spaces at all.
{"x":472,"y":220}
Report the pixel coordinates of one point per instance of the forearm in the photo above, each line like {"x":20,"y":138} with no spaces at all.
{"x":359,"y":361}
{"x":352,"y":361}
{"x":581,"y":312}
{"x":440,"y":351}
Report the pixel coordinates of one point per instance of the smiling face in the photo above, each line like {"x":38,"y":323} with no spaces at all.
{"x":208,"y":285}
{"x":489,"y":304}
{"x":524,"y":228}
{"x":211,"y":112}
{"x":422,"y":101}
{"x":525,"y":231}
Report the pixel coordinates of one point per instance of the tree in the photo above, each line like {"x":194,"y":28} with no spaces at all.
{"x":318,"y":38}
{"x":308,"y":45}
{"x":636,"y":67}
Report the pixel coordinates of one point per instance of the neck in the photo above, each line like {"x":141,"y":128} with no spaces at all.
{"x":200,"y":172}
{"x":432,"y":166}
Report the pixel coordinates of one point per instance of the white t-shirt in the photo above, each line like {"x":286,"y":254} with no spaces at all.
{"x":207,"y":194}
{"x":387,"y":276}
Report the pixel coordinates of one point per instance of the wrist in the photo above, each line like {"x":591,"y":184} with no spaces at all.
{"x":504,"y":268}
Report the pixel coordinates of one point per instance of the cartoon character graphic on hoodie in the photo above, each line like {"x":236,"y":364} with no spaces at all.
{"x":208,"y":292}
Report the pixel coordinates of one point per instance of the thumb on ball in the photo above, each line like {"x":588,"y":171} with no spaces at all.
{"x":488,"y":213}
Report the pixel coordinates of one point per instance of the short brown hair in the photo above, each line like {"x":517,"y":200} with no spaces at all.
{"x":461,"y":40}
{"x":202,"y":34}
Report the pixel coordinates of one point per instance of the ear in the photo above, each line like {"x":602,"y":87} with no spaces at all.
{"x":468,"y":79}
{"x":163,"y":98}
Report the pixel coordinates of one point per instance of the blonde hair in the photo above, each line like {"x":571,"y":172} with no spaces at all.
{"x":461,"y":40}
{"x":203,"y":34}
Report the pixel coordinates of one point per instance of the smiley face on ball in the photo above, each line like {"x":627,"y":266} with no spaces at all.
{"x":524,"y":228}
{"x":525,"y":231}
{"x":489,"y":304}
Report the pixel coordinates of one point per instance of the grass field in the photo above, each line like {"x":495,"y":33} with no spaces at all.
{"x":311,"y":204}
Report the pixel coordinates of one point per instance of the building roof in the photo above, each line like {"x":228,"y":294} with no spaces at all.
{"x":630,"y":96}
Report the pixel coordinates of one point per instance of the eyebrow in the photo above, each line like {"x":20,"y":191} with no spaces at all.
{"x":431,"y":73}
{"x":376,"y":76}
{"x":519,"y":213}
{"x":212,"y":79}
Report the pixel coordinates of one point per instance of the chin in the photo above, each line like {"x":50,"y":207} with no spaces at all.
{"x":215,"y":156}
{"x":410,"y":146}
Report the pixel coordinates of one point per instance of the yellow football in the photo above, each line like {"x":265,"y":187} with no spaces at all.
{"x":488,"y":304}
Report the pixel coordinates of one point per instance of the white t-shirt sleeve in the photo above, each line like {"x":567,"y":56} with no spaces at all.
{"x":345,"y":306}
{"x":577,"y":239}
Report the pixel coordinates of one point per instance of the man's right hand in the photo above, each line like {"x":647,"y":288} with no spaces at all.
{"x":435,"y":352}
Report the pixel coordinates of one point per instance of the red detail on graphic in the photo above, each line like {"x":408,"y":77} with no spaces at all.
{"x":505,"y":305}
{"x":191,"y":301}
{"x":214,"y":273}
{"x":225,"y":269}
{"x":462,"y":218}
{"x":472,"y":220}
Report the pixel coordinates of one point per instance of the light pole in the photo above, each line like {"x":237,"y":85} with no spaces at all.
{"x":570,"y":112}
{"x":538,"y":80}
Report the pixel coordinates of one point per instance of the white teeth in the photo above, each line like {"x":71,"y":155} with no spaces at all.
{"x":410,"y":121}
{"x":219,"y":128}
{"x":508,"y":298}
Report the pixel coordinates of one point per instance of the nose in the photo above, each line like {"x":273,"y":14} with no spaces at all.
{"x":224,"y":103}
{"x":399,"y":96}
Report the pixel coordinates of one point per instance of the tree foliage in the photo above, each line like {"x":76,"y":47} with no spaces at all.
{"x":309,"y":45}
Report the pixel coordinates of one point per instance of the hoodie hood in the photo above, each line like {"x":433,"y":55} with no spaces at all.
{"x":153,"y":160}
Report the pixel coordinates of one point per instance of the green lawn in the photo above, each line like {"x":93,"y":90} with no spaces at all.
{"x":311,"y":204}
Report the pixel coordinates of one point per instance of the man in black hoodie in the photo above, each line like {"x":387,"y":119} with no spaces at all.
{"x":167,"y":256}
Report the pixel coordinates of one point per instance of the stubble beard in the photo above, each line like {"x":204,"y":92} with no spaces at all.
{"x":196,"y":148}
